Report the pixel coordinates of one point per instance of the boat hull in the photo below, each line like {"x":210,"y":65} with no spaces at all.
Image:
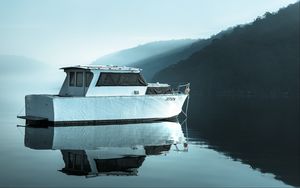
{"x":99,"y":108}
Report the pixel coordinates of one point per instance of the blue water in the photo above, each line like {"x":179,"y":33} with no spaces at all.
{"x":199,"y":166}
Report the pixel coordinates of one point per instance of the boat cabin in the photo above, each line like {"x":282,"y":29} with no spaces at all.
{"x":107,"y":81}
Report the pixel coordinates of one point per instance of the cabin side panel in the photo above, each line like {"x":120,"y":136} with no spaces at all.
{"x":76,"y":83}
{"x":64,"y":88}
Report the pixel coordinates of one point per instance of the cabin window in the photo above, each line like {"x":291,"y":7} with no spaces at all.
{"x":158,"y":90}
{"x":79,"y":79}
{"x":121,"y":79}
{"x":88,"y":78}
{"x":72,"y":79}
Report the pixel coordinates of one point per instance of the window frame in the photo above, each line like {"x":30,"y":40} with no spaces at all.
{"x":88,"y":81}
{"x":74,"y":79}
{"x":100,"y":83}
{"x":79,"y":84}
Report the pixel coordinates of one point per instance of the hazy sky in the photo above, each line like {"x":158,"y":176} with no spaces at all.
{"x":79,"y":31}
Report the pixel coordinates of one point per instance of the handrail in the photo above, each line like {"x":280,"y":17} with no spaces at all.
{"x":183,"y":88}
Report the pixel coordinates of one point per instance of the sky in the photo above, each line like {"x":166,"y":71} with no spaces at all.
{"x":65,"y":32}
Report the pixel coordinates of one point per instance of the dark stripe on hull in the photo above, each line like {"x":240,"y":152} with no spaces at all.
{"x":45,"y":123}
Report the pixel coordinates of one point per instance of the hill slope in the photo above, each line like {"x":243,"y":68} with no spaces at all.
{"x":258,"y":58}
{"x":245,"y":93}
{"x":154,"y":64}
{"x":141,"y":52}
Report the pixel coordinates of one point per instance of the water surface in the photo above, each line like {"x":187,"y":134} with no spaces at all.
{"x":235,"y":142}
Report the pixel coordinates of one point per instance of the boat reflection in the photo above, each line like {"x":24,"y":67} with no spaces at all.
{"x":106,"y":149}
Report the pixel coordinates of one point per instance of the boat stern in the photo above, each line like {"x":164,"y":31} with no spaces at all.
{"x":39,"y":107}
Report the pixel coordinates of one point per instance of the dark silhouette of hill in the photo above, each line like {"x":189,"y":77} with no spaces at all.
{"x":156,"y":63}
{"x":141,"y":52}
{"x":155,"y":56}
{"x":245,"y":93}
{"x":261,"y":58}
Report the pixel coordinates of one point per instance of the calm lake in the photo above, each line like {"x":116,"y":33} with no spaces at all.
{"x":235,"y":142}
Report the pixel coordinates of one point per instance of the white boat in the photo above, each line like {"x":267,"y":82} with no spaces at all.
{"x":106,"y":93}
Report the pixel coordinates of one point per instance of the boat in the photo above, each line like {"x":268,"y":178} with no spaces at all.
{"x":106,"y":93}
{"x":114,"y":149}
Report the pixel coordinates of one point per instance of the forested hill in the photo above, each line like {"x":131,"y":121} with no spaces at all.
{"x":261,"y":58}
{"x":156,"y":63}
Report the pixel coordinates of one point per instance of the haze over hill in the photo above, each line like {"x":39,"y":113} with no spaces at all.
{"x":141,"y":52}
{"x":261,"y":58}
{"x":154,"y":64}
{"x":19,"y":64}
{"x":21,"y":75}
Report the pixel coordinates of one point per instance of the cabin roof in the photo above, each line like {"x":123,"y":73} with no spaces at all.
{"x":103,"y":67}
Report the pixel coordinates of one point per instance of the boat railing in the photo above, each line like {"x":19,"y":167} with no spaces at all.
{"x":185,"y":89}
{"x":182,"y":88}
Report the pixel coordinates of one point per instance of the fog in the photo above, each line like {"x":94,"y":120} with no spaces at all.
{"x":79,"y":32}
